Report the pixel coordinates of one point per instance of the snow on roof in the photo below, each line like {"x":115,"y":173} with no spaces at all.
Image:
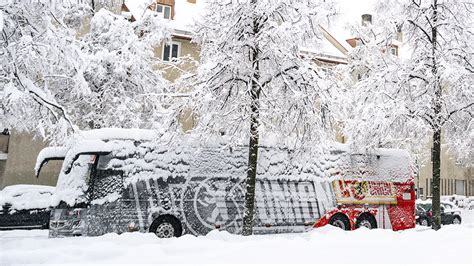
{"x":185,"y":13}
{"x":26,"y":196}
{"x":137,"y":7}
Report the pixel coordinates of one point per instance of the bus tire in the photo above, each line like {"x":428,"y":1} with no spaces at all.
{"x":366,"y":220}
{"x":341,"y":221}
{"x":166,"y":226}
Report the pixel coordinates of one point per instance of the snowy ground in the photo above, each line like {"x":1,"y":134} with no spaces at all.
{"x":452,"y":244}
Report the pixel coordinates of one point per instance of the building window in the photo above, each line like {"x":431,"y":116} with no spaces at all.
{"x":393,"y":51}
{"x":4,"y":141}
{"x":420,"y":192}
{"x":165,"y":10}
{"x":460,"y":188}
{"x":170,"y":52}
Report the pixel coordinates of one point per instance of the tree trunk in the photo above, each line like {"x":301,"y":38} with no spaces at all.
{"x":251,"y":169}
{"x":436,"y":153}
{"x":253,"y":141}
{"x":436,"y":161}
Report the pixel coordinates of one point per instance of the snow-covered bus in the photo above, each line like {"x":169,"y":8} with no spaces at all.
{"x":118,"y":180}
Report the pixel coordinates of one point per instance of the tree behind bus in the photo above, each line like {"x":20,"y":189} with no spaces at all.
{"x":253,"y":79}
{"x":403,"y":102}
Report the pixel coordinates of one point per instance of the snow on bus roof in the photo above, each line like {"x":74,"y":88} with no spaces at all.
{"x":119,"y":133}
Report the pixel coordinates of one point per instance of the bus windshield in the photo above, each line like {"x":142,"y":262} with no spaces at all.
{"x":73,"y":185}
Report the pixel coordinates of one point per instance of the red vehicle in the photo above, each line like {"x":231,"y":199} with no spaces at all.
{"x":372,"y":204}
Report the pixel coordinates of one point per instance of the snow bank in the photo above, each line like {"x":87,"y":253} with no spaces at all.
{"x":322,"y":245}
{"x":26,"y":196}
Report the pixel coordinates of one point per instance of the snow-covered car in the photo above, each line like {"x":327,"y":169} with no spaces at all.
{"x":450,"y":213}
{"x":25,"y":207}
{"x":458,"y":200}
{"x":469,"y":203}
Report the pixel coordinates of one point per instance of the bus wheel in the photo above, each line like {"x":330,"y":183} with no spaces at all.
{"x":341,"y":221}
{"x":166,"y":226}
{"x":366,"y":220}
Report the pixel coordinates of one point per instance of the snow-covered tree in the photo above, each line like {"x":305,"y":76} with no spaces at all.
{"x":424,"y":95}
{"x":64,"y":68}
{"x":253,"y":79}
{"x":37,"y":50}
{"x":124,"y":87}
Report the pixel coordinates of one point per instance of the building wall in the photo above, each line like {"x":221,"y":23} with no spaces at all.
{"x":189,"y":57}
{"x":455,"y":178}
{"x":19,"y":166}
{"x":189,"y":53}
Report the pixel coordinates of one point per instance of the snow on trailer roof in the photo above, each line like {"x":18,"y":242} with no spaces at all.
{"x":380,"y":164}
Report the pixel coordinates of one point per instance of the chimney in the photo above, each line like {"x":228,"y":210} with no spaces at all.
{"x":366,"y":19}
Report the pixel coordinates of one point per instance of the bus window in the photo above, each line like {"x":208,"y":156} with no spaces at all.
{"x":106,"y":179}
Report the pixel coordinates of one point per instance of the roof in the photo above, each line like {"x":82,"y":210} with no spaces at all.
{"x":185,"y":13}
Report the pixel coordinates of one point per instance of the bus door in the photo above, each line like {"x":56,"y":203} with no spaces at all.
{"x":105,"y":191}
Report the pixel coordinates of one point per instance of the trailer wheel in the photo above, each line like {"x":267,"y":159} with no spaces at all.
{"x":366,"y":220}
{"x":341,"y":221}
{"x":166,"y":226}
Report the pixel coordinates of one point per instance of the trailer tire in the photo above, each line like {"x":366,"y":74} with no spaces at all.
{"x":366,"y":220}
{"x":341,"y":221}
{"x":166,"y":226}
